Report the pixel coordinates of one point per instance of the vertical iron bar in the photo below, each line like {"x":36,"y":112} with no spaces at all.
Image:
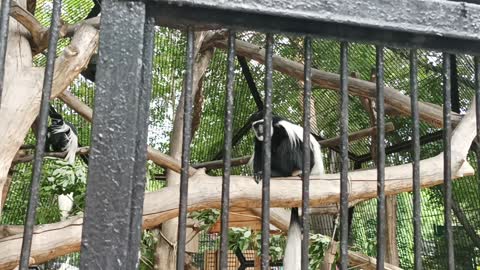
{"x":109,"y":217}
{"x":447,"y":171}
{"x":455,"y":95}
{"x":187,"y":130}
{"x":477,"y":111}
{"x":307,"y":95}
{"x":227,"y":150}
{"x":381,"y":245}
{"x":138,"y":185}
{"x":4,"y":20}
{"x":41,"y":135}
{"x":417,"y":222}
{"x":267,"y":154}
{"x":344,"y":156}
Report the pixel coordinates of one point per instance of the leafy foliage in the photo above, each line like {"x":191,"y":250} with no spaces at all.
{"x":206,"y":218}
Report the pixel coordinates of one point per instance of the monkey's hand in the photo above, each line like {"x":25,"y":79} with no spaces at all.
{"x":258,"y":176}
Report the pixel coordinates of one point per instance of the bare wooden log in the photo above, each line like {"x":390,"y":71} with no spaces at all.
{"x":362,"y":261}
{"x":70,"y":29}
{"x":9,"y":230}
{"x":393,"y":98}
{"x":330,"y":254}
{"x":279,"y":217}
{"x":77,"y":105}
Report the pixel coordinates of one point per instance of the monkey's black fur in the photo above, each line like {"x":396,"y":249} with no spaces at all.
{"x":286,"y":160}
{"x":62,"y":136}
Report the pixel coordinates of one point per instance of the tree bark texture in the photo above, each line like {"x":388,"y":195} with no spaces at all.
{"x":395,"y":101}
{"x":23,"y":85}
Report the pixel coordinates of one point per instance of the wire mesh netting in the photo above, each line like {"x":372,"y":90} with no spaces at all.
{"x":207,"y":143}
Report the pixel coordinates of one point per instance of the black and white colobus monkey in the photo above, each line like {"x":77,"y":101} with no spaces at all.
{"x":286,"y":160}
{"x":62,"y":137}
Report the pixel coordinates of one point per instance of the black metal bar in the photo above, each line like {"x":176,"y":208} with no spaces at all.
{"x":351,"y":210}
{"x":417,"y":223}
{"x":4,"y":21}
{"x":454,"y":84}
{"x":187,"y":123}
{"x":267,"y":154}
{"x":307,"y":96}
{"x":227,"y":149}
{"x":107,"y":238}
{"x":344,"y":156}
{"x":138,"y":185}
{"x":380,"y":160}
{"x":402,"y":24}
{"x":447,"y":171}
{"x":250,"y":82}
{"x":41,"y":135}
{"x":477,"y":111}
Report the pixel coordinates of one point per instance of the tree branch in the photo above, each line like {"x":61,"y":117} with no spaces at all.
{"x":398,"y":102}
{"x":154,"y":155}
{"x":357,"y":135}
{"x":29,"y":157}
{"x":39,"y":33}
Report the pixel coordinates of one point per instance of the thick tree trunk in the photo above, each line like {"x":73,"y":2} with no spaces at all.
{"x":20,"y":97}
{"x":23,"y":85}
{"x":165,"y":253}
{"x":391,"y":254}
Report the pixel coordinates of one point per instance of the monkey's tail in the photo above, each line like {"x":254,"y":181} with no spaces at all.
{"x":72,"y":148}
{"x":292,"y":258}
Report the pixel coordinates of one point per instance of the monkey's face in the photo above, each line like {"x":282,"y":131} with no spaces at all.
{"x":259,"y":129}
{"x":57,"y":122}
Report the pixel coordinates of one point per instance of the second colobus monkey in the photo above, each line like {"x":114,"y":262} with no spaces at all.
{"x":286,"y":160}
{"x":62,"y":137}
